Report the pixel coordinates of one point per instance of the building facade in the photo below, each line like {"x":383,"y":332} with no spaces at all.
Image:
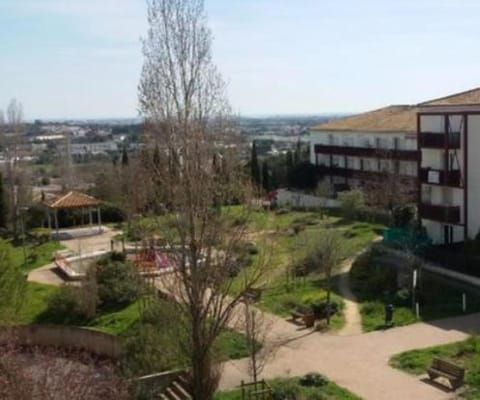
{"x":431,"y":146}
{"x":353,"y":151}
{"x":449,"y":170}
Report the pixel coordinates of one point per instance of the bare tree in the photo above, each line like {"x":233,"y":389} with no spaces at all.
{"x":52,"y":374}
{"x":11,"y":144}
{"x":326,"y":256}
{"x":388,"y":188}
{"x":261,"y":348}
{"x":194,"y":175}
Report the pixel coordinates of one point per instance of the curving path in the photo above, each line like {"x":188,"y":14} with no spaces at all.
{"x":353,"y":319}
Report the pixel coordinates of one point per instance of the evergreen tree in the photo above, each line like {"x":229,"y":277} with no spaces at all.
{"x":124,"y":156}
{"x":3,"y":205}
{"x":298,"y":153}
{"x":289,"y":163}
{"x":255,"y":169}
{"x":266,"y":177}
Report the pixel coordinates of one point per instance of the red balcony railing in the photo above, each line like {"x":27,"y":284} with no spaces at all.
{"x":439,"y":177}
{"x":368,"y":152}
{"x":440,"y":213}
{"x":437,"y":140}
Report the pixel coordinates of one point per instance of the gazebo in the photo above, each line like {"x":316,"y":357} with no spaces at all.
{"x":73,"y":200}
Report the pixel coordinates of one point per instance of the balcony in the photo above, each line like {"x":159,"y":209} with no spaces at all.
{"x":432,"y":176}
{"x":361,"y":175}
{"x":368,"y":152}
{"x":431,"y":140}
{"x":440,"y":213}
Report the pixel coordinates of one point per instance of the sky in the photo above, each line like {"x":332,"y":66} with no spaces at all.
{"x":82,"y":58}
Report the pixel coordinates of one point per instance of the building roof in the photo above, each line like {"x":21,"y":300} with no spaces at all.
{"x":400,"y":118}
{"x":396,"y":118}
{"x":73,"y":200}
{"x":469,"y":97}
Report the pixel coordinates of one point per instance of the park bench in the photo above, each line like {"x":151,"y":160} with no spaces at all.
{"x":453,"y":373}
{"x":308,"y":318}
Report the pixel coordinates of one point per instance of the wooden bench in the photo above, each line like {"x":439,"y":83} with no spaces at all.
{"x":308,"y":319}
{"x":453,"y":373}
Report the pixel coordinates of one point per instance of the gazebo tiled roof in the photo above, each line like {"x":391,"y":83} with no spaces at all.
{"x":73,"y":200}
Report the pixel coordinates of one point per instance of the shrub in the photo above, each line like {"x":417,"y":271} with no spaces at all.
{"x":112,"y":213}
{"x":402,"y":297}
{"x":313,"y":379}
{"x":63,"y":307}
{"x":351,"y":202}
{"x":116,"y":281}
{"x":286,"y":390}
{"x":321,"y":308}
{"x":40,"y":235}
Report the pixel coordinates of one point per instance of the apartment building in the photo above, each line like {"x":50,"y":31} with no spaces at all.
{"x":449,"y":170}
{"x":357,"y":149}
{"x":431,"y":145}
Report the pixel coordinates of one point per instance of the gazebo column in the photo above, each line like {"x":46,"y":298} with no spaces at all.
{"x":99,"y":219}
{"x":90,"y":216}
{"x":56,"y":222}
{"x":49,"y":219}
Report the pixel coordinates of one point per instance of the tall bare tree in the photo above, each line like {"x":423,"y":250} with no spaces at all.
{"x":11,"y":146}
{"x":194,"y":173}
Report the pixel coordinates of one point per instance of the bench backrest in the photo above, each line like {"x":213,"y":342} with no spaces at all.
{"x":448,"y":367}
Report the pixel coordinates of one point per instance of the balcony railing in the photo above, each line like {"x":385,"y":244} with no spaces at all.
{"x":368,"y":152}
{"x":439,"y":140}
{"x":439,"y":177}
{"x":361,"y":174}
{"x":440,"y":213}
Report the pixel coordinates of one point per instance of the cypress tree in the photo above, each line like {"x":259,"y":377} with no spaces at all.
{"x":266,"y":176}
{"x":255,"y":170}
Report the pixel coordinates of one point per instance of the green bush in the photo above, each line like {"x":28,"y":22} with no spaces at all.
{"x":313,"y":379}
{"x":117,"y":283}
{"x":320,"y":308}
{"x":286,"y":390}
{"x":63,"y":307}
{"x":350,"y":203}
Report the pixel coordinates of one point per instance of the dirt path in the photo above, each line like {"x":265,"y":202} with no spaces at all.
{"x":353,"y":319}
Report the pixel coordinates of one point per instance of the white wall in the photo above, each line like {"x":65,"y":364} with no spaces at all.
{"x":286,"y":198}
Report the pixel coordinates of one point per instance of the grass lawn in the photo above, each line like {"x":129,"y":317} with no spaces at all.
{"x":377,"y":281}
{"x":465,"y":354}
{"x":37,"y":255}
{"x":283,"y":241}
{"x":35,"y":302}
{"x":292,"y":389}
{"x":231,"y":344}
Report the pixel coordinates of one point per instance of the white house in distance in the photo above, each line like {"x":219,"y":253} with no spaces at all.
{"x":449,"y":168}
{"x":353,"y":150}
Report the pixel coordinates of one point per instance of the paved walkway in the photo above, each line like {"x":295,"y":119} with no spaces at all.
{"x":49,"y":275}
{"x":360,"y":363}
